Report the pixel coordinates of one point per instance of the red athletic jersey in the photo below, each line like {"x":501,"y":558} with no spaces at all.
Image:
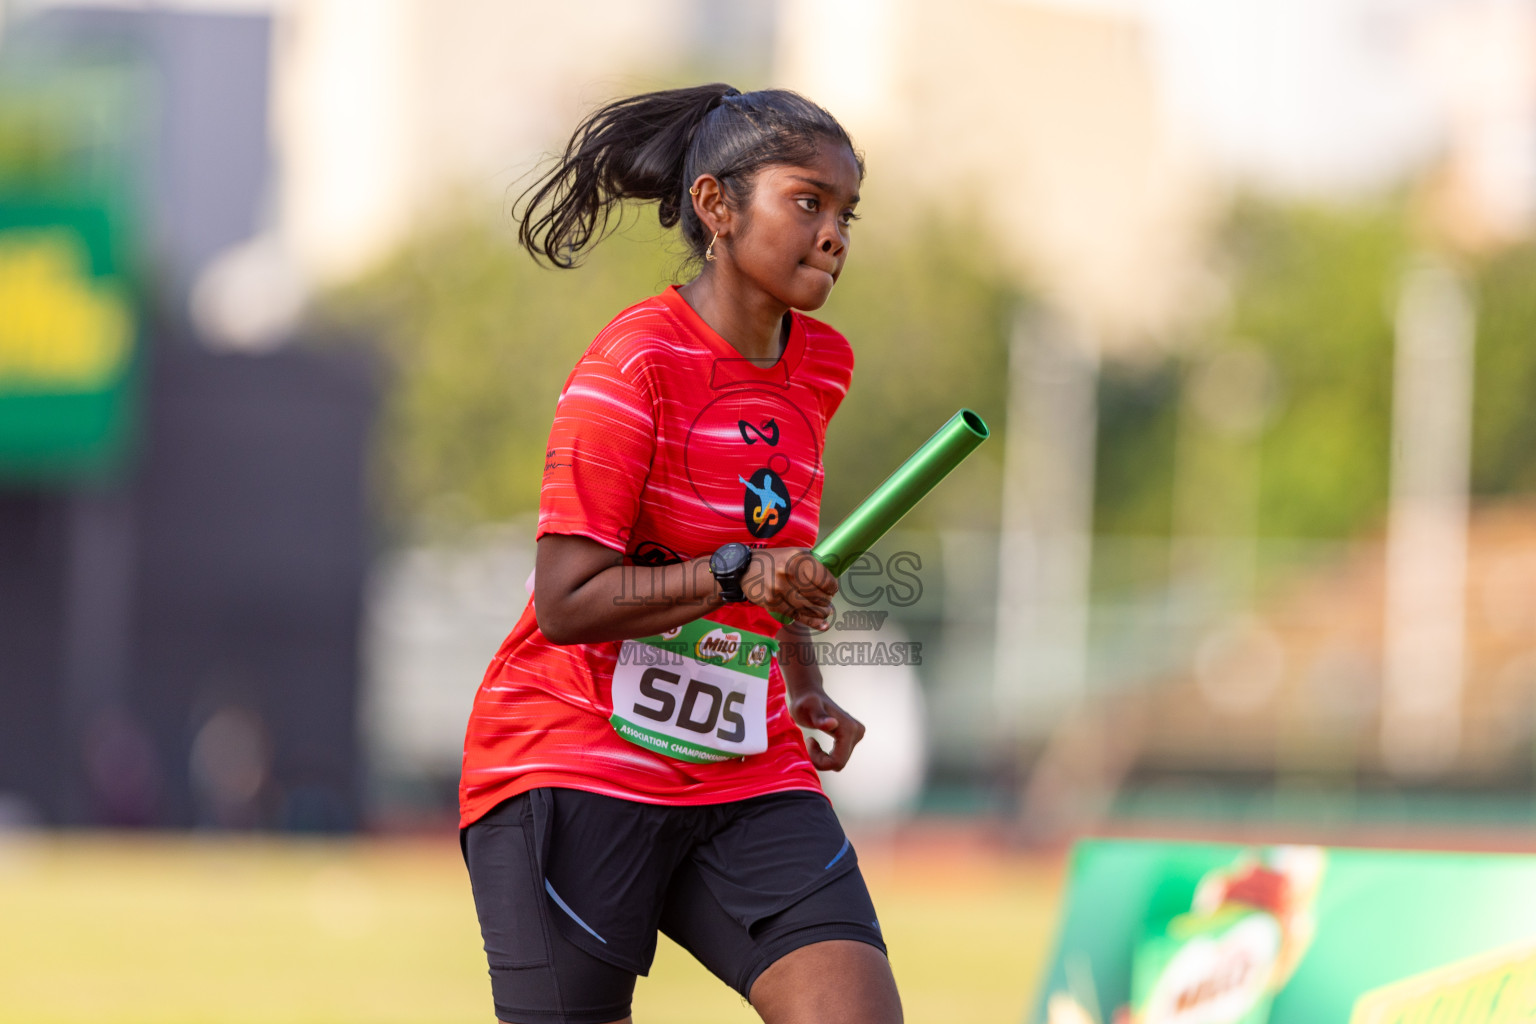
{"x":666,"y":444}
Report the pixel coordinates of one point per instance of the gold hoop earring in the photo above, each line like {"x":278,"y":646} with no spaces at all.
{"x":709,"y":251}
{"x":694,"y":191}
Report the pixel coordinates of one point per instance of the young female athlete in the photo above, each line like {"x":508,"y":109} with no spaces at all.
{"x":633,"y":761}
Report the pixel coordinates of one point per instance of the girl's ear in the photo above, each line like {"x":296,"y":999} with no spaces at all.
{"x":710,"y":205}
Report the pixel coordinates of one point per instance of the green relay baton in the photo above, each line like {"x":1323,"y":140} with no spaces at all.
{"x":900,"y":492}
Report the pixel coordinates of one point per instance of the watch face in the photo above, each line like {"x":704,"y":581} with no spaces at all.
{"x":731,"y":558}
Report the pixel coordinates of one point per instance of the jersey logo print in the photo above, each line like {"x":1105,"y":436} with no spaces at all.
{"x":649,"y":552}
{"x":765,"y":503}
{"x":741,"y":433}
{"x":770,"y":424}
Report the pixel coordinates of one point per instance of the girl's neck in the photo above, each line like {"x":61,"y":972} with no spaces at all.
{"x":753,"y":323}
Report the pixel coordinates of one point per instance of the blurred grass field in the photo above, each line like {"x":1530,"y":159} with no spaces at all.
{"x":187,"y":930}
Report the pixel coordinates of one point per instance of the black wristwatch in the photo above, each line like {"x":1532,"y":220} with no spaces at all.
{"x":729,"y":564}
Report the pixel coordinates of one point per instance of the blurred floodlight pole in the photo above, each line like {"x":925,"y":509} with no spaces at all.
{"x":1040,"y":650}
{"x":1427,"y":527}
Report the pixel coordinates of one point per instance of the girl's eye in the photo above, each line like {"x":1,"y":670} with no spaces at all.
{"x":849,"y":217}
{"x":807,"y":203}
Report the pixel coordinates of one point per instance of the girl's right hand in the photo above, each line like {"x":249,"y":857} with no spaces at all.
{"x":792,"y":582}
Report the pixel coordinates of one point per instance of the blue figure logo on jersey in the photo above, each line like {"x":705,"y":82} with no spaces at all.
{"x":765,"y":503}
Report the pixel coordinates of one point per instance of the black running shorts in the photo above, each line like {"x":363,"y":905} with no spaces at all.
{"x":571,"y":888}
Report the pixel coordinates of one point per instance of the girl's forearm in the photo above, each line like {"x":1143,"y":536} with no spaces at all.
{"x":797,"y":660}
{"x":628,"y":601}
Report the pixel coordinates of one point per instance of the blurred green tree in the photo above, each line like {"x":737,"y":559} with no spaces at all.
{"x":929,"y":319}
{"x":1311,"y":288}
{"x":1315,"y":290}
{"x":1138,"y":428}
{"x":1504,"y":409}
{"x":480,"y":340}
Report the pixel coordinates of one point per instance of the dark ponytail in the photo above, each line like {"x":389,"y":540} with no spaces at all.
{"x":652,"y":147}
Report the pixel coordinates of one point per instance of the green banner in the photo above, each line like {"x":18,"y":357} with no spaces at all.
{"x":70,"y":125}
{"x":1172,"y":933}
{"x":68,"y":340}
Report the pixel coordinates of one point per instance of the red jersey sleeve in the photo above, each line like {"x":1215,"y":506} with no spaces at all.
{"x":832,"y":397}
{"x":598,"y":456}
{"x":835,"y":357}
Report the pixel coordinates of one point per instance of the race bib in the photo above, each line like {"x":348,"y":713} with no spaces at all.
{"x":697,"y":693}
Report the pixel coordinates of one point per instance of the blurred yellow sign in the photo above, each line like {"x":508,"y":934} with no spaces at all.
{"x":63,"y":329}
{"x":1493,"y":988}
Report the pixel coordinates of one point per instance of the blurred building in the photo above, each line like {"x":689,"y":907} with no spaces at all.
{"x":389,"y":110}
{"x":1481,"y":58}
{"x":1039,"y":126}
{"x":178,"y":614}
{"x":1095,"y":141}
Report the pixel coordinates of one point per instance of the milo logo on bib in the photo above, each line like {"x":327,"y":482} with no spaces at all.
{"x":718,"y":646}
{"x":698,"y":693}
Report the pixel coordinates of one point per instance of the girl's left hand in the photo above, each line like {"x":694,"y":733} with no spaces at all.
{"x":813,"y":709}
